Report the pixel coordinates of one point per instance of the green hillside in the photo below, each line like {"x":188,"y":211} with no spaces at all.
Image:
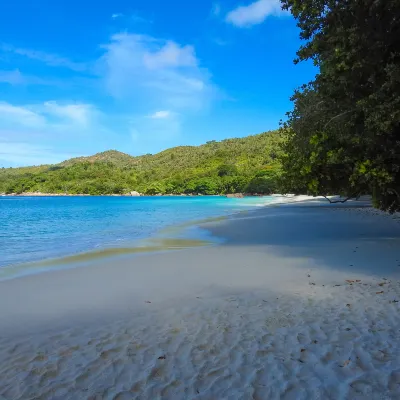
{"x":112,"y":156}
{"x":234,"y":165}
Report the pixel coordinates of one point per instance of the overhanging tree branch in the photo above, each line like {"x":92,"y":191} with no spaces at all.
{"x":338,"y":116}
{"x":339,"y":201}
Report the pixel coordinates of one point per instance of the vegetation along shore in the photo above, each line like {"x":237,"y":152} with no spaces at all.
{"x":243,"y":165}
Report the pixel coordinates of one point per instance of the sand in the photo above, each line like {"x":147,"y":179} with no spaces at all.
{"x":299,"y":302}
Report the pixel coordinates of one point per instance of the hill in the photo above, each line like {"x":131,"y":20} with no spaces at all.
{"x":233,"y":165}
{"x":111,"y":156}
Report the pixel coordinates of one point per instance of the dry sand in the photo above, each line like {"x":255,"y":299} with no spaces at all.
{"x":300,"y":302}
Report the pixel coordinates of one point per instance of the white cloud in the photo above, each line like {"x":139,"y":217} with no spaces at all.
{"x":40,"y":133}
{"x":155,"y":73}
{"x":52,"y":60}
{"x":12,"y":77}
{"x":11,"y":115}
{"x":16,"y":77}
{"x":160,"y":114}
{"x":80,"y":114}
{"x":255,"y":13}
{"x":47,"y":118}
{"x":170,"y":55}
{"x":140,"y":72}
{"x":23,"y":154}
{"x":134,"y":18}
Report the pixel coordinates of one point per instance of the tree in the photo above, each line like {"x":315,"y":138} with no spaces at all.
{"x":344,"y":130}
{"x":227,"y":170}
{"x":208,"y":186}
{"x":264,"y":182}
{"x":233,"y":184}
{"x":155,"y":188}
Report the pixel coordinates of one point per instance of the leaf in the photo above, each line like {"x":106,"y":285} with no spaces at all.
{"x":380,"y":292}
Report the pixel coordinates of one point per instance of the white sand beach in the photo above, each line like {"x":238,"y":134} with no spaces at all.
{"x":301,"y":301}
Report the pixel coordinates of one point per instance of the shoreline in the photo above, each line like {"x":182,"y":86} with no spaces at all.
{"x":300,"y":301}
{"x":35,"y":194}
{"x":242,"y":233}
{"x":170,"y":238}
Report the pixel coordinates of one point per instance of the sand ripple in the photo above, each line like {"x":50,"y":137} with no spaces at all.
{"x":339,"y":342}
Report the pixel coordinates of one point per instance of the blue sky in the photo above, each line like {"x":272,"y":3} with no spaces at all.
{"x":139,"y":76}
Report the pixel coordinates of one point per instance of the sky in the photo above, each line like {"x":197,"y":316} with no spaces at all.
{"x":140,"y":76}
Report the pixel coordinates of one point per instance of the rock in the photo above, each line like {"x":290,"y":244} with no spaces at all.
{"x":135,"y":193}
{"x":235,"y":195}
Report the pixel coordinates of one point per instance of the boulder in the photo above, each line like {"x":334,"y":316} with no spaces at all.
{"x":235,"y":195}
{"x":135,"y":193}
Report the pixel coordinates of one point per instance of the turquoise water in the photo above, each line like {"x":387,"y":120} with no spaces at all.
{"x":40,"y":228}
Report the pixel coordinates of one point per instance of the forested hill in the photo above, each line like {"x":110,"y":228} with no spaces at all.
{"x":234,"y":165}
{"x":113,"y":156}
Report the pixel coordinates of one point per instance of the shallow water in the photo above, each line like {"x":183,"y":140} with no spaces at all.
{"x":40,"y":228}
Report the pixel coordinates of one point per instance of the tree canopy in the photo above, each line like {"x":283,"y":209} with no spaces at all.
{"x":343,"y":135}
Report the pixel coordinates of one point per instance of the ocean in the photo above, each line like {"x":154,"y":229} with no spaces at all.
{"x":41,"y":228}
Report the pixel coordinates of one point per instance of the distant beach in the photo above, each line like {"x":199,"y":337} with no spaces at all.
{"x":295,"y":301}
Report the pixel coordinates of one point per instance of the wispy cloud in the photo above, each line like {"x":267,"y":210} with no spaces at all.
{"x":23,"y":154}
{"x":161,"y":74}
{"x":49,"y":114}
{"x":79,"y":114}
{"x":255,"y":13}
{"x":32,"y":133}
{"x":138,"y":19}
{"x":216,"y":10}
{"x":134,"y":18}
{"x":219,"y":41}
{"x":11,"y":115}
{"x":16,"y":78}
{"x":155,"y":86}
{"x":170,"y":55}
{"x":13,"y":77}
{"x":46,"y":58}
{"x":160,"y":114}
